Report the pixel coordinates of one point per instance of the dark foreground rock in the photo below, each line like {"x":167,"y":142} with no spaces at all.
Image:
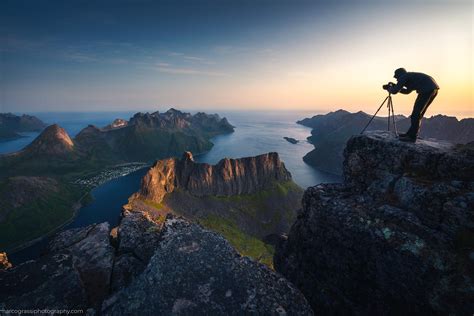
{"x":197,"y":271}
{"x":396,"y":238}
{"x":149,"y":265}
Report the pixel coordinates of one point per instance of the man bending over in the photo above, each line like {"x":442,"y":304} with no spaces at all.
{"x":427,"y":89}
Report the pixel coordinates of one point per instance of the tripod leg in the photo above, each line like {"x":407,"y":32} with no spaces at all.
{"x":374,"y":115}
{"x":388,"y":117}
{"x":393,"y":117}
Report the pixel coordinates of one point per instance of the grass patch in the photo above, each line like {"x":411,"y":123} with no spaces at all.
{"x":153,"y":204}
{"x":245,"y":244}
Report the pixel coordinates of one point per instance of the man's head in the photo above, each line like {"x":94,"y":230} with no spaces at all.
{"x":399,"y":72}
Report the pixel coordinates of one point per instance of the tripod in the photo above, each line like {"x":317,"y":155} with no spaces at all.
{"x":391,"y":113}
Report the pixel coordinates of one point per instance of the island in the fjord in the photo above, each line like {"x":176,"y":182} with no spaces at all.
{"x":161,"y":255}
{"x":11,"y":125}
{"x":331,"y":132}
{"x":396,"y":238}
{"x":250,"y":201}
{"x":41,"y":185}
{"x":291,"y":140}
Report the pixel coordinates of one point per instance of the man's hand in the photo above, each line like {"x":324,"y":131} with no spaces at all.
{"x":388,"y":86}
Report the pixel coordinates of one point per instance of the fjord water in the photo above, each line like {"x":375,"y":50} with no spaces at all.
{"x":255,"y":133}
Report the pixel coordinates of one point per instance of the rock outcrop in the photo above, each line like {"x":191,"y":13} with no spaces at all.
{"x":227,"y":177}
{"x":395,"y":238}
{"x":4,"y":263}
{"x":331,"y":132}
{"x":150,"y":266}
{"x":117,"y":123}
{"x":195,"y":271}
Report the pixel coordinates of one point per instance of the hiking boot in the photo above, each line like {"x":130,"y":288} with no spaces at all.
{"x":407,"y":138}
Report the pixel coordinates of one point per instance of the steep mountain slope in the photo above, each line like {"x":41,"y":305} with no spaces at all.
{"x":331,"y":131}
{"x":395,"y":238}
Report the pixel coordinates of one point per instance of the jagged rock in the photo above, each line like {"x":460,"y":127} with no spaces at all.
{"x":50,"y":282}
{"x":197,"y":271}
{"x":176,"y":268}
{"x":395,"y":238}
{"x":227,"y":177}
{"x":137,"y":239}
{"x":4,"y":263}
{"x":92,"y":257}
{"x":117,"y":123}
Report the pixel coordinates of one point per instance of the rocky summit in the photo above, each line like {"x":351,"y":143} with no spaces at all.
{"x":227,"y":177}
{"x":397,"y":237}
{"x":149,"y":266}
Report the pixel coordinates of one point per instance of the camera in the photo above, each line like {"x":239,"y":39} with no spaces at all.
{"x":388,"y":85}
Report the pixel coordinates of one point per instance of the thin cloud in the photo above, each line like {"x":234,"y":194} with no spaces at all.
{"x":189,"y":71}
{"x":193,"y":59}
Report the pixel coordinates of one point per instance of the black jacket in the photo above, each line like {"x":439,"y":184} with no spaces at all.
{"x":414,"y":81}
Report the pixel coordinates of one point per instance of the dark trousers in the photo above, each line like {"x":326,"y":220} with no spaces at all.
{"x":422,"y":103}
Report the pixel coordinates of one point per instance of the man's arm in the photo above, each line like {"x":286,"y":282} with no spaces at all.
{"x":405,"y":91}
{"x":400,"y":83}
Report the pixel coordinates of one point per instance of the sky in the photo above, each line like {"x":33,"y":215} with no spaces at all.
{"x":226,"y":55}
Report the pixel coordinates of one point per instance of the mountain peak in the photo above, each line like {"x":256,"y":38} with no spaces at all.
{"x":54,"y":140}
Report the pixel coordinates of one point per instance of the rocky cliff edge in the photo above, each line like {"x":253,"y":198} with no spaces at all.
{"x":397,"y":237}
{"x":227,"y":177}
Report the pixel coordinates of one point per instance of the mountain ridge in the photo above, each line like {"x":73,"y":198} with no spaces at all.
{"x":331,"y":131}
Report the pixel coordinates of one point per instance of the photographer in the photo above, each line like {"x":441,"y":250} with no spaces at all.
{"x":427,"y":89}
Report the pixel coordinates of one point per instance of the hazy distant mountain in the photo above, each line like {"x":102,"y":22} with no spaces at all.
{"x":146,"y":136}
{"x":331,"y":131}
{"x":11,"y":125}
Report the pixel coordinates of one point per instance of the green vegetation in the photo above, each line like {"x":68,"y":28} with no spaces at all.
{"x":38,"y":217}
{"x":253,"y":204}
{"x":245,"y":244}
{"x":153,"y":204}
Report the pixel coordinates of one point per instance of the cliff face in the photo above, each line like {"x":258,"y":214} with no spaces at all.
{"x":148,"y":265}
{"x":227,"y":177}
{"x":395,"y":238}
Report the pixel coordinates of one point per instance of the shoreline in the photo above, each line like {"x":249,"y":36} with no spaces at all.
{"x":76,"y":207}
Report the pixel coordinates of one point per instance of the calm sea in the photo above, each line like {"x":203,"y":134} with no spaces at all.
{"x":255,"y":133}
